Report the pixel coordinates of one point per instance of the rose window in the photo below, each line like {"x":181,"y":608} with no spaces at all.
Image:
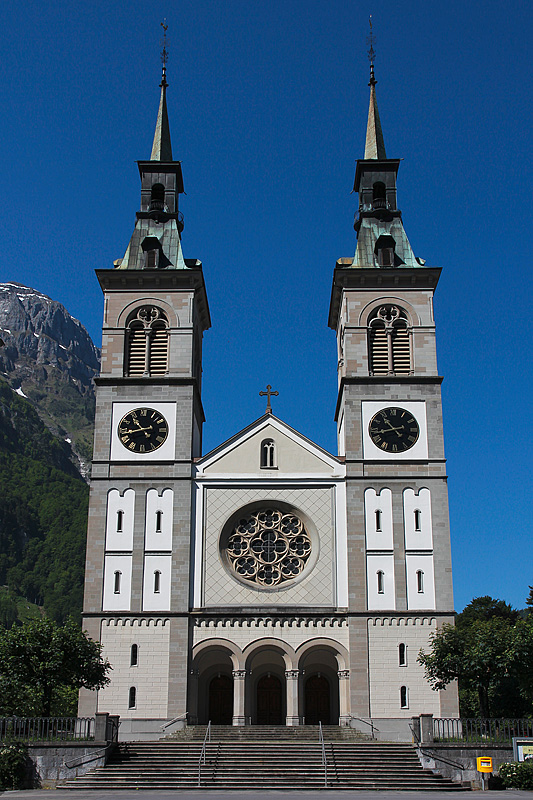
{"x":268,"y":547}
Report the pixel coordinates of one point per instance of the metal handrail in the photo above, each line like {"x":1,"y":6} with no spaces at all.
{"x":324,"y":759}
{"x":371,"y":724}
{"x":207,"y":738}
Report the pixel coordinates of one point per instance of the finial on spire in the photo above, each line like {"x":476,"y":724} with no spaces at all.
{"x":164,"y":53}
{"x":370,"y":40}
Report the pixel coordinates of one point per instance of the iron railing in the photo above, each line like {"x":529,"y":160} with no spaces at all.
{"x":489,"y":731}
{"x":201,"y":760}
{"x":49,"y":729}
{"x":324,"y":759}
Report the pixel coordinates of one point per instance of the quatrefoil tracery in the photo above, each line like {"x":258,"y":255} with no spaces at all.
{"x":269,"y":547}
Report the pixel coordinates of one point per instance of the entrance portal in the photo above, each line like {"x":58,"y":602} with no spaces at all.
{"x":221,"y":700}
{"x":317,"y":700}
{"x":269,"y":693}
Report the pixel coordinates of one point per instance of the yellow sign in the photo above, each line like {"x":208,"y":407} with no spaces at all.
{"x":484,"y":764}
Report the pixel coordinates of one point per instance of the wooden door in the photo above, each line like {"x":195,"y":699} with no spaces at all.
{"x":317,"y":700}
{"x":269,"y":701}
{"x":221,"y":700}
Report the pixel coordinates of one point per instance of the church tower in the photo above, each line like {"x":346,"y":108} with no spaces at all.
{"x":148,"y":430}
{"x":389,"y":421}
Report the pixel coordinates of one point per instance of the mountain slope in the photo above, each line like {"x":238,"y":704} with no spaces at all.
{"x":48,"y":357}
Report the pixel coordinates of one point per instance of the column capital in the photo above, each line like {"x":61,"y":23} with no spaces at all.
{"x":239,"y":674}
{"x":292,"y":674}
{"x":343,"y":674}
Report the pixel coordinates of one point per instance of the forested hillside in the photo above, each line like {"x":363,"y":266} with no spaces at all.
{"x":47,"y":366}
{"x":43,"y":512}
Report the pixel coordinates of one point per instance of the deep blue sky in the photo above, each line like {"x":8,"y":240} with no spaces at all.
{"x":268,"y":105}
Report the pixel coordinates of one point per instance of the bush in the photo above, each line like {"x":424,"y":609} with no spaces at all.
{"x":13,"y":757}
{"x":517,"y":775}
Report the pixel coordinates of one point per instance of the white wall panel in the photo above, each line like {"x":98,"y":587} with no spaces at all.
{"x":417,"y":539}
{"x":382,"y":503}
{"x":380,"y":601}
{"x":152,"y":600}
{"x":163,"y":503}
{"x":417,"y":600}
{"x":116,"y":539}
{"x":117,"y":601}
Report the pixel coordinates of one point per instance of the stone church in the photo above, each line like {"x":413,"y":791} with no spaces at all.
{"x":268,"y":581}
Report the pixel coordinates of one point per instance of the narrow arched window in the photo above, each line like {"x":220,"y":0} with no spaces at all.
{"x":158,"y":521}
{"x":378,"y":520}
{"x":120,"y":521}
{"x":389,"y":342}
{"x":381,"y":581}
{"x":157,"y":197}
{"x":379,"y":195}
{"x":134,"y":655}
{"x":402,"y":655}
{"x":404,"y":699}
{"x":132,"y":697}
{"x":151,"y":259}
{"x":420,"y":581}
{"x":418,"y":519}
{"x":117,"y":581}
{"x":147,"y":342}
{"x":157,"y":581}
{"x":268,"y":454}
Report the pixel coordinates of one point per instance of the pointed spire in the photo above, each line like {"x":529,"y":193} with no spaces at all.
{"x":162,"y":147}
{"x":375,"y":144}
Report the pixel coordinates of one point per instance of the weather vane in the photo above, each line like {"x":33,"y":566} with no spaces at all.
{"x":164,"y":51}
{"x":371,"y":40}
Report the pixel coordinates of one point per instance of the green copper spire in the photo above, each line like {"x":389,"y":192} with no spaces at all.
{"x":162,"y":147}
{"x":375,"y":144}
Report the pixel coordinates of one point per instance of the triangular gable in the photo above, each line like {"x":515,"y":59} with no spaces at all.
{"x":295,"y":454}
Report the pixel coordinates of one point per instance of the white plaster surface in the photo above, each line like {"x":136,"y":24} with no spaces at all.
{"x":422,"y":539}
{"x":420,"y":600}
{"x":122,"y":600}
{"x":119,"y":502}
{"x":378,"y":540}
{"x":377,"y":601}
{"x":154,"y":503}
{"x":156,"y":601}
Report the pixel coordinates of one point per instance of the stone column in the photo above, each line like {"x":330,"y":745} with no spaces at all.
{"x":192,"y":704}
{"x":344,"y":697}
{"x":291,"y":679}
{"x":239,"y":678}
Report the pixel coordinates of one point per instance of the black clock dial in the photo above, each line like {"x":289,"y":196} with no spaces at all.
{"x":142,"y":430}
{"x":394,"y":430}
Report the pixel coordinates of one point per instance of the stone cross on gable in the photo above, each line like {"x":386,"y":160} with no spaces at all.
{"x":268,"y":394}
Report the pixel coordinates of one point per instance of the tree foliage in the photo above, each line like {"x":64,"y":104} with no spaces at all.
{"x":489,"y":652}
{"x":42,"y":665}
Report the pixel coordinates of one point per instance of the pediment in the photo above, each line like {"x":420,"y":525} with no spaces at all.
{"x":295,"y":455}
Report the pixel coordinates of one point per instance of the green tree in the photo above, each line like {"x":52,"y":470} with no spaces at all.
{"x":529,"y":600}
{"x":484,"y":656}
{"x":42,"y":664}
{"x":484,"y":608}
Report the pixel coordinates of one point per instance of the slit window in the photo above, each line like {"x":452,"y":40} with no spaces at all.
{"x":402,"y":655}
{"x":381,"y":581}
{"x":420,"y":581}
{"x":268,"y":454}
{"x":158,"y":521}
{"x":404,"y":698}
{"x":134,"y":655}
{"x":120,"y":521}
{"x":132,"y":697}
{"x":117,"y":581}
{"x":157,"y":581}
{"x":418,"y":519}
{"x":378,"y":520}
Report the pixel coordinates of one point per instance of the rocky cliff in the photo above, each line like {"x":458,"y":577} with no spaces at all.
{"x":49,"y":358}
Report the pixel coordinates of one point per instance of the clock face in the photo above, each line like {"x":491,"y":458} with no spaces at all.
{"x":394,"y":430}
{"x":142,"y":430}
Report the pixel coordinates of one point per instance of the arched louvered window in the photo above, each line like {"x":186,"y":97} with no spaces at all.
{"x":389,"y":342}
{"x":147,"y":343}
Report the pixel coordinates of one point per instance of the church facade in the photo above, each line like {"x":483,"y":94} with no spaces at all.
{"x":268,"y":581}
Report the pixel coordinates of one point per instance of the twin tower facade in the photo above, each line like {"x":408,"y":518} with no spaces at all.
{"x":268,"y":581}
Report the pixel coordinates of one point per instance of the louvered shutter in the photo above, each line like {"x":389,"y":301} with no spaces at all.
{"x":159,"y":349}
{"x":401,"y":351}
{"x":136,"y":349}
{"x":379,"y":354}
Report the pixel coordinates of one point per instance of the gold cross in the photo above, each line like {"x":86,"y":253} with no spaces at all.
{"x":268,"y":394}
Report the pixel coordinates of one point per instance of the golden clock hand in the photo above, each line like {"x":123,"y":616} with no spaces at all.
{"x":138,"y":430}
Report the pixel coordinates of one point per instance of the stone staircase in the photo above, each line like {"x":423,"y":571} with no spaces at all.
{"x":268,"y":733}
{"x":252,"y":758}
